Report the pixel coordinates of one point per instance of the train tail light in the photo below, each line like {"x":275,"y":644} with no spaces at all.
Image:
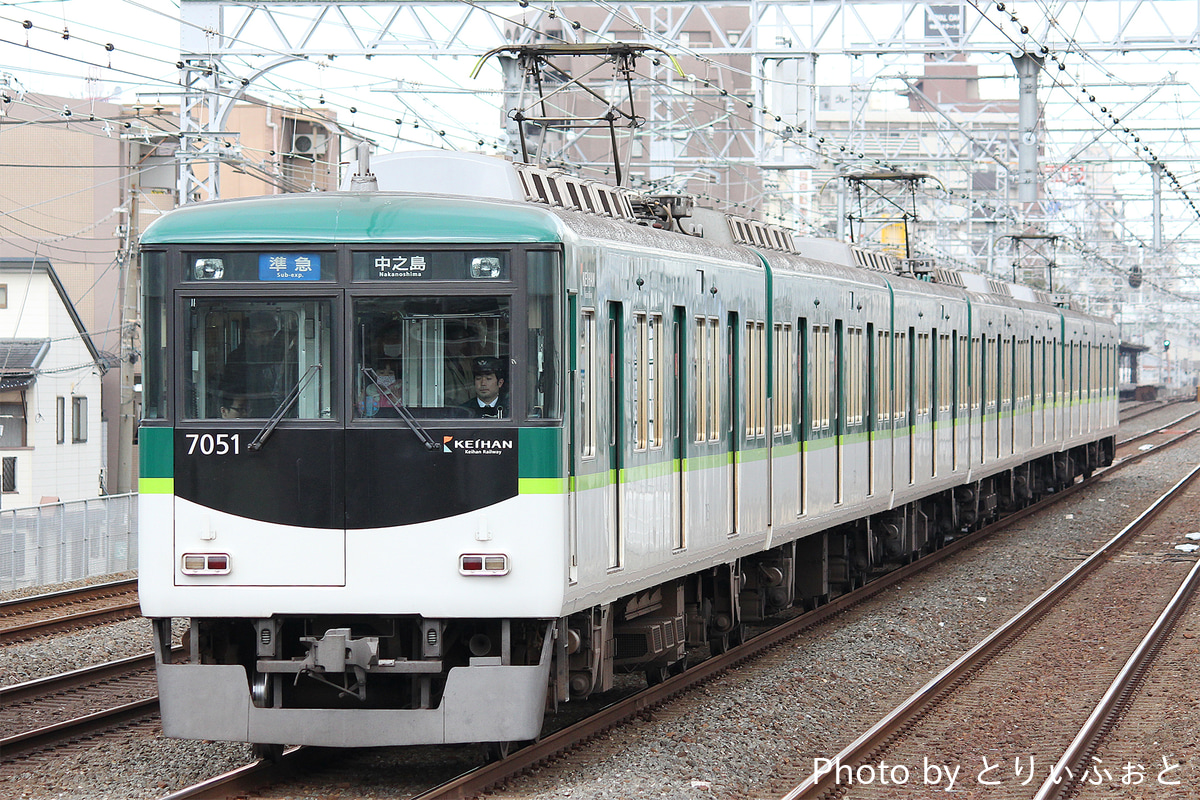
{"x":483,"y":564}
{"x":205,"y":563}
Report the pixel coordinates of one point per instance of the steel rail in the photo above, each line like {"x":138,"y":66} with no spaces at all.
{"x":862,"y":747}
{"x":70,"y":730}
{"x":86,"y":676}
{"x":14,"y":609}
{"x":22,"y":605}
{"x":1118,"y":697}
{"x":238,"y":782}
{"x":1157,"y":431}
{"x":45,"y":626}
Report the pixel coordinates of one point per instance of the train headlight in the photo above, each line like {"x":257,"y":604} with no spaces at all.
{"x":208,"y":269}
{"x":205,"y":563}
{"x":483,"y":564}
{"x":485,"y":267}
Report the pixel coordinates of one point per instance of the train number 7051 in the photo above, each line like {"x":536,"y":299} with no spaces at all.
{"x":209,"y":444}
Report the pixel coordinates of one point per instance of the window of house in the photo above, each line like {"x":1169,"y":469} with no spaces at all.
{"x":79,"y":426}
{"x":8,"y":475}
{"x":12,"y":424}
{"x":60,"y":419}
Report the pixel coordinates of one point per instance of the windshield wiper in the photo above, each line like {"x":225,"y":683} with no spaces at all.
{"x":287,"y":403}
{"x":401,"y":409}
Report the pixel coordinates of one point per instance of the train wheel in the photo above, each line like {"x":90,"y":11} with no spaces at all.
{"x":657,"y":674}
{"x":268,"y":752}
{"x":498,"y":751}
{"x":679,"y":667}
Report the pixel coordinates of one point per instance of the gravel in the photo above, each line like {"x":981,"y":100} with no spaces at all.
{"x":804,"y":700}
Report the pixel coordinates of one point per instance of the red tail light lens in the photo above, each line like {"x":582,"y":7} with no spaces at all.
{"x":483,"y":564}
{"x":205,"y":564}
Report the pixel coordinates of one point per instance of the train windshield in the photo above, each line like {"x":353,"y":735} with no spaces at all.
{"x":436,"y":356}
{"x":246,"y":357}
{"x":475,"y":335}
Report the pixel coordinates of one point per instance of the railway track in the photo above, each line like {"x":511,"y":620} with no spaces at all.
{"x":63,"y":708}
{"x":55,"y":612}
{"x":488,"y":777}
{"x":1022,"y":713}
{"x":1137,"y":409}
{"x":131,"y":697}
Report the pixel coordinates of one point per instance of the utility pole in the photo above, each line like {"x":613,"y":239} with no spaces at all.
{"x":129,"y":289}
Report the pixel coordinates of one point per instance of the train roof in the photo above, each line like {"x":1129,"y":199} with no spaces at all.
{"x":424,"y":193}
{"x":333,"y":217}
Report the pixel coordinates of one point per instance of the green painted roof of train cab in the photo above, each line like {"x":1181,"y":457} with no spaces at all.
{"x":354,"y":217}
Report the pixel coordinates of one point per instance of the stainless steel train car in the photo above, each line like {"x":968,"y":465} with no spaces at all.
{"x":418,"y":464}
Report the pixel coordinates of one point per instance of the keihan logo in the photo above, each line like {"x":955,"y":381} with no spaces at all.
{"x":476,"y":447}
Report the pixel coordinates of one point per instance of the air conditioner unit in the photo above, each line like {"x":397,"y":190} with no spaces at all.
{"x":309,"y":144}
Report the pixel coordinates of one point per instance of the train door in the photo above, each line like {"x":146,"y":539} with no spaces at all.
{"x":679,"y":358}
{"x":583,"y":420}
{"x":731,"y":394}
{"x":934,"y":359}
{"x":1073,"y":389}
{"x":616,"y":433}
{"x":871,"y":408}
{"x":839,"y":407}
{"x":805,"y":408}
{"x":910,"y":401}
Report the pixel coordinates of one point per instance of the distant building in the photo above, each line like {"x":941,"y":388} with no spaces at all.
{"x":52,"y":442}
{"x":83,"y":176}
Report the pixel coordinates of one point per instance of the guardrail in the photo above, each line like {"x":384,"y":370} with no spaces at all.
{"x":68,"y":541}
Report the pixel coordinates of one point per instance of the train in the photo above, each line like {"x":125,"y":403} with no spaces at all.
{"x":424,"y":460}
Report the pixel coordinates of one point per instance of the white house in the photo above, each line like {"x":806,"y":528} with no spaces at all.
{"x":52,"y":442}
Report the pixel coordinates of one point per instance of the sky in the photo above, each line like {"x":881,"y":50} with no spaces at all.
{"x":126,"y":51}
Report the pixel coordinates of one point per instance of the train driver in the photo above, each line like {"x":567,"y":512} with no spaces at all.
{"x":490,"y":401}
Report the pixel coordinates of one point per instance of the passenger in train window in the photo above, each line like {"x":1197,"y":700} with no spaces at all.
{"x":490,"y":399}
{"x":377,"y":397}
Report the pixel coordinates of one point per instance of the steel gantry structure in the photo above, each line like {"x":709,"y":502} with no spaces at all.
{"x":1035,"y":118}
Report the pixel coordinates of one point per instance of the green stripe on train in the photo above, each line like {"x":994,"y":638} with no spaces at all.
{"x":539,"y":453}
{"x":156,"y":453}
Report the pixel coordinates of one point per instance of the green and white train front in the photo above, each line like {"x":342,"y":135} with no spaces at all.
{"x":356,"y":551}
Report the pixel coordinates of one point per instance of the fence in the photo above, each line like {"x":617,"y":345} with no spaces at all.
{"x":61,"y":542}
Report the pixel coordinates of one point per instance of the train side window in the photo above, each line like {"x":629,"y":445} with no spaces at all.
{"x":587,"y":384}
{"x":782,"y":379}
{"x":854,"y":380}
{"x":154,"y":333}
{"x":544,"y":320}
{"x":883,"y":371}
{"x":700,"y":378}
{"x":976,"y":377}
{"x":945,"y":368}
{"x":754,"y":368}
{"x":961,"y":378}
{"x":655,"y":383}
{"x":901,"y":403}
{"x":641,"y":380}
{"x":714,"y":382}
{"x":924,"y":373}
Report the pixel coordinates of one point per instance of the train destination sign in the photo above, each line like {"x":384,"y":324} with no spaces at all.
{"x":430,"y":265}
{"x":289,"y":267}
